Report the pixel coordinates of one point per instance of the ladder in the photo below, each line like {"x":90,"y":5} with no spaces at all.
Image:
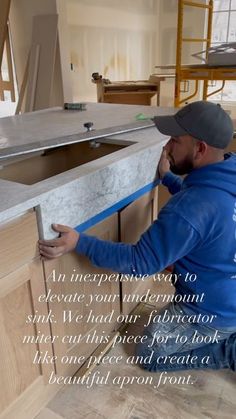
{"x":181,"y":72}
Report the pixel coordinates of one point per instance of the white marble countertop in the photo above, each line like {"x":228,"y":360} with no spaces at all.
{"x":74,"y":196}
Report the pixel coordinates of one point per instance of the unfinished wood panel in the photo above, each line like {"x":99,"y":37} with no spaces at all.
{"x":23,"y":88}
{"x":154,"y":199}
{"x":134,"y":220}
{"x":18,"y":243}
{"x":131,"y":98}
{"x":63,"y":73}
{"x":163,"y":196}
{"x":32,"y":274}
{"x":137,"y":217}
{"x":17,"y":369}
{"x":14,"y":280}
{"x":10,"y":67}
{"x":44,"y":35}
{"x":5,"y":7}
{"x":33,"y":76}
{"x":68,"y":265}
{"x":23,"y":383}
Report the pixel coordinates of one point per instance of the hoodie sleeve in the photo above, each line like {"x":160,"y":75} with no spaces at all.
{"x":172,"y":182}
{"x":169,"y":239}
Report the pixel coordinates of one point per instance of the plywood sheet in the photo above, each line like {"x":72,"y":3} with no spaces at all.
{"x":44,"y":35}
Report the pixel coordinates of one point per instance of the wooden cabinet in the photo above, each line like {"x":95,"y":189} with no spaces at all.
{"x":41,"y":335}
{"x":21,"y":282}
{"x":88,"y":316}
{"x":134,"y":220}
{"x":141,"y":92}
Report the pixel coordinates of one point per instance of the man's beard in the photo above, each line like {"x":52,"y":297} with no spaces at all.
{"x":182,"y":168}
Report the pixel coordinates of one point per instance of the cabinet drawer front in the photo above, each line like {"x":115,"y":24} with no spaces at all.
{"x":18,"y":243}
{"x":138,"y":216}
{"x":134,"y":220}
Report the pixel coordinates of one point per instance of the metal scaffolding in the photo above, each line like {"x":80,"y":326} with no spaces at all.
{"x":204,"y":72}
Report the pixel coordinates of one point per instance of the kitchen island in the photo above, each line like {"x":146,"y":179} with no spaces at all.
{"x":100,"y":182}
{"x":57,"y":315}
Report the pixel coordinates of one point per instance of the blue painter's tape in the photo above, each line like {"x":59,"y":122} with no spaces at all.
{"x":116,"y":207}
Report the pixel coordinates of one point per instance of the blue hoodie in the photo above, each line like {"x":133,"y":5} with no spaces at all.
{"x":195,"y":231}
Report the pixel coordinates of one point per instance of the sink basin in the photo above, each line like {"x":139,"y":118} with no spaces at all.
{"x":51,"y":162}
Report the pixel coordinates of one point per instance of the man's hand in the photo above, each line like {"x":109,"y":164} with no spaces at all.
{"x":66,"y":242}
{"x":164,"y":165}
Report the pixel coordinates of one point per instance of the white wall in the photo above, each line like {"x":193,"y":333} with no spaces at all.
{"x":117,"y":38}
{"x":120,"y":39}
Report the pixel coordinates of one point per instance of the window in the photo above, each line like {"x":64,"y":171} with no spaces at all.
{"x":224,"y":30}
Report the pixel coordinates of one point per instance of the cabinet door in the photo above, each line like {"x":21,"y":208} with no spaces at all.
{"x":79,"y":336}
{"x":20,"y":287}
{"x":163,"y":196}
{"x":232,"y":146}
{"x":134,"y":220}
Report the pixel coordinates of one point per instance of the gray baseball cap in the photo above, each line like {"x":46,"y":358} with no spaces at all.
{"x":203,"y":120}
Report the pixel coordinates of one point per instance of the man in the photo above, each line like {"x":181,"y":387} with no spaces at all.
{"x":196,"y":232}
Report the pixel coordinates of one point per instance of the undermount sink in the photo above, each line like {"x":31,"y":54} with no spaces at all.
{"x":40,"y":166}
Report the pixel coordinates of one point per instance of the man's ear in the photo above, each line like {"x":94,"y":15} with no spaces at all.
{"x":201,"y":150}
